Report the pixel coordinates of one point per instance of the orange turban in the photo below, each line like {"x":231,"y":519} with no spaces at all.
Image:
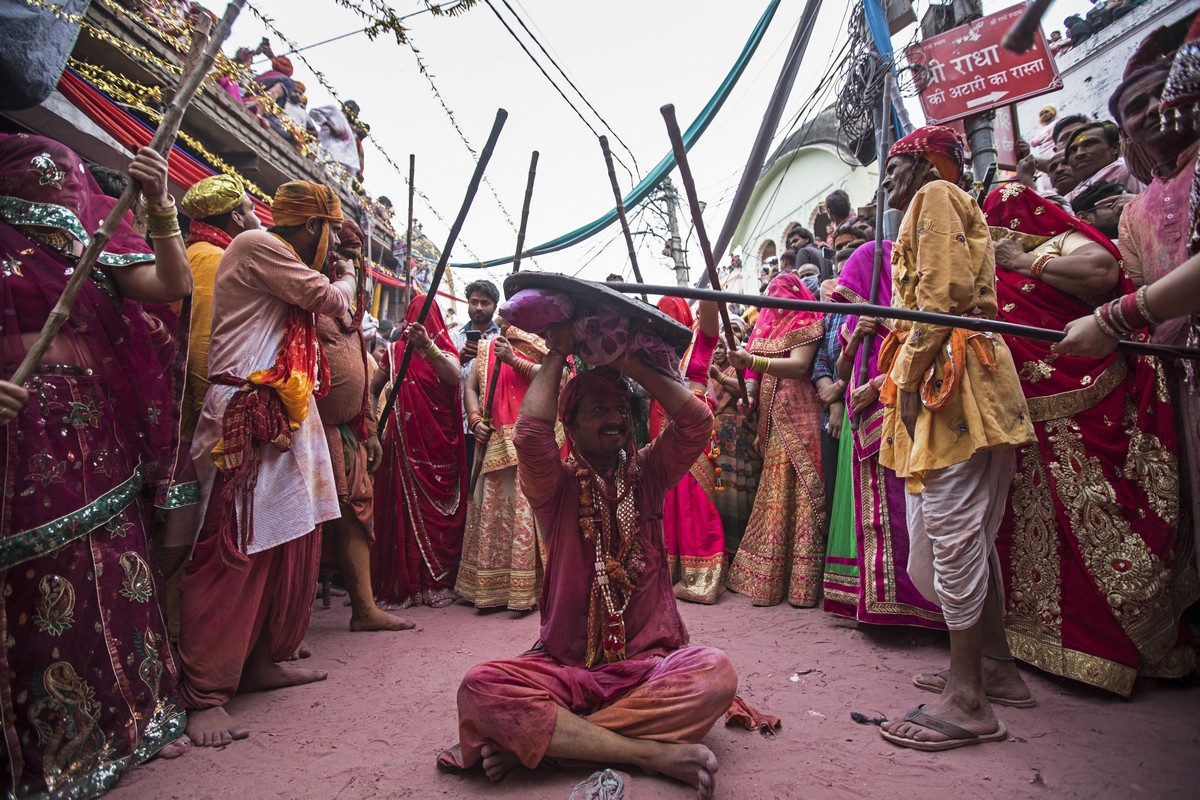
{"x":298,"y":201}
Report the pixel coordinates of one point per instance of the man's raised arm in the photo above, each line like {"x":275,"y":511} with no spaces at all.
{"x":541,"y":401}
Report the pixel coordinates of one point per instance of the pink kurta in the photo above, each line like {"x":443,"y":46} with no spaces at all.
{"x":258,"y":282}
{"x":664,"y":690}
{"x":652,"y":621}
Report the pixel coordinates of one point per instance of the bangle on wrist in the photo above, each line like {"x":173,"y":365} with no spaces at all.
{"x":554,"y":351}
{"x":1143,"y":305}
{"x":433,"y":351}
{"x":1102,"y":321}
{"x":1039,"y":265}
{"x":151,"y":207}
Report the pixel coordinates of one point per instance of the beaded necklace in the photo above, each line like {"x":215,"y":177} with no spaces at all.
{"x":619,"y":561}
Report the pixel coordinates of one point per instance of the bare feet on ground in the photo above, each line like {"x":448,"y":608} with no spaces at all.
{"x":1001,"y":680}
{"x":302,"y":651}
{"x":174,"y":749}
{"x":496,"y":763}
{"x":379,"y":620}
{"x":213,"y":727}
{"x":263,"y":677}
{"x":981,"y":720}
{"x":694,"y":764}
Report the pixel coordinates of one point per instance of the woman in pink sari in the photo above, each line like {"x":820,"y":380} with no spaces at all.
{"x":783,"y":551}
{"x":866,"y":577}
{"x":87,"y":680}
{"x":692,"y":529}
{"x":420,"y":508}
{"x":1094,"y":558}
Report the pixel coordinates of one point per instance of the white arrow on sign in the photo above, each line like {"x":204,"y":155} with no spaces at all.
{"x":986,"y":99}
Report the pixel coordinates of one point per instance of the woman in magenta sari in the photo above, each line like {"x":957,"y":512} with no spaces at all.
{"x":783,"y":551}
{"x":866,"y":576}
{"x":421,"y":484}
{"x":86,"y":677}
{"x":1091,"y":549}
{"x":692,"y":530}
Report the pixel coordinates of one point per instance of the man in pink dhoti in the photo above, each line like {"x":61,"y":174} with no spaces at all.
{"x":612,"y":679}
{"x":263,"y":462}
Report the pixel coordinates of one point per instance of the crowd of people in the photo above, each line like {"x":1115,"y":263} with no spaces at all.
{"x":207,"y":435}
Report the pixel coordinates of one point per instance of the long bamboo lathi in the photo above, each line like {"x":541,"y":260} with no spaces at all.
{"x":200,"y":60}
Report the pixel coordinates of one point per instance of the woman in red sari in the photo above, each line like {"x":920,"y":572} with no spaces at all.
{"x":87,"y":681}
{"x":783,"y":551}
{"x":420,"y":486}
{"x":692,"y":530}
{"x":1094,"y":564}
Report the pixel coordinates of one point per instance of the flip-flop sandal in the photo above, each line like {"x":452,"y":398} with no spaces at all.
{"x":1028,"y":702}
{"x":959,"y":737}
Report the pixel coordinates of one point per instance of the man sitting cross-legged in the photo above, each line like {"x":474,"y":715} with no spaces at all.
{"x":612,"y":680}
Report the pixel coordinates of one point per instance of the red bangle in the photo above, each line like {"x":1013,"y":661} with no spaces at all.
{"x":1039,"y":264}
{"x":1133,"y":313}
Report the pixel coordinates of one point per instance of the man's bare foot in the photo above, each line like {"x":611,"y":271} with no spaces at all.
{"x":379,"y":620}
{"x":213,"y":727}
{"x":693,"y":764}
{"x":1001,"y":680}
{"x":264,"y":677}
{"x":496,"y":763}
{"x":979,"y":720}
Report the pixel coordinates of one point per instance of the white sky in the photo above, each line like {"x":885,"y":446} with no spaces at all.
{"x":628,"y":56}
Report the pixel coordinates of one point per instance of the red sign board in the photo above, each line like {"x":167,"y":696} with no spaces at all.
{"x":965,"y":70}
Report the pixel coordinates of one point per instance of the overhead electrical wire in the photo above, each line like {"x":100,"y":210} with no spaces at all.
{"x":571,"y":83}
{"x":557,"y":88}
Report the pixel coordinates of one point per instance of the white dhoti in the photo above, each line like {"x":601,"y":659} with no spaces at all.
{"x":952,"y":528}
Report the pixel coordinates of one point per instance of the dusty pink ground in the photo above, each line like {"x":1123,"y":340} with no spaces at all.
{"x":373,"y":729}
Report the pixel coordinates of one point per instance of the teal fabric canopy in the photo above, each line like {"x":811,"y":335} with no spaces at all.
{"x":663,"y":168}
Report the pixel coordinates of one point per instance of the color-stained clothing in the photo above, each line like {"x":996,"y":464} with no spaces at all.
{"x":1116,"y":172}
{"x":1153,"y":231}
{"x":667,"y":697}
{"x":258,"y":283}
{"x":943,"y":261}
{"x":652,"y":622}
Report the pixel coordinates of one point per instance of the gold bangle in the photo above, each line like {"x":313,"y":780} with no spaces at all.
{"x":433,"y":351}
{"x":165,"y":234}
{"x":150,"y":207}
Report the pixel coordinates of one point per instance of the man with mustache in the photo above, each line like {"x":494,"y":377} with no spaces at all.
{"x":954,"y":414}
{"x":612,"y":679}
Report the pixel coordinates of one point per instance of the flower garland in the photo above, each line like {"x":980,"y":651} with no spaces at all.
{"x":619,"y":561}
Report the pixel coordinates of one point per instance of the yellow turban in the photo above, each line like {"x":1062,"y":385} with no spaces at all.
{"x":298,"y":201}
{"x":219,"y":194}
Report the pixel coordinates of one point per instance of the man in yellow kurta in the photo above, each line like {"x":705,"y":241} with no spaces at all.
{"x":954,"y":414}
{"x":219,"y":209}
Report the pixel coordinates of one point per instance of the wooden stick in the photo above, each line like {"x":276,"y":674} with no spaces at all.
{"x":883,"y":116}
{"x":612,"y":179}
{"x":485,"y":156}
{"x":1019,"y":38}
{"x":199,"y":61}
{"x":766,"y":131}
{"x":480,"y":448}
{"x":412,"y":175}
{"x":525,"y":212}
{"x":977,"y":324}
{"x":689,"y":186}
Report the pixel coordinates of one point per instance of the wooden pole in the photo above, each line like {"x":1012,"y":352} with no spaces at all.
{"x":196,"y":67}
{"x":612,"y":179}
{"x":883,"y":124}
{"x":412,"y":173}
{"x":710,"y":264}
{"x":766,"y":131}
{"x":485,"y":156}
{"x":480,"y":448}
{"x":976,"y":324}
{"x":1020,"y":36}
{"x":525,"y":212}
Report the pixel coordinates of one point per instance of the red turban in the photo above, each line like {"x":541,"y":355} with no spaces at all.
{"x":937,"y":144}
{"x":351,"y":237}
